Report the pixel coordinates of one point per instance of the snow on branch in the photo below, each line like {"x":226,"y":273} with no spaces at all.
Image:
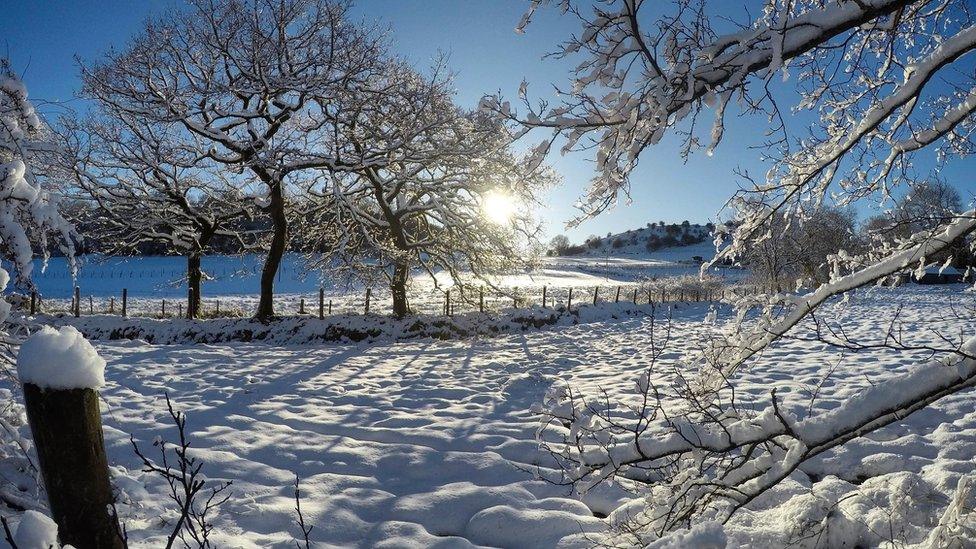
{"x":637,"y":83}
{"x":741,"y":342}
{"x":709,"y":461}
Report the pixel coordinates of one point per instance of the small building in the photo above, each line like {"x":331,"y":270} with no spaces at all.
{"x":935,"y":274}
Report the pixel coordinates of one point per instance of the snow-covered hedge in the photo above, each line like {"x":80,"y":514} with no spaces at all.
{"x":346,"y":328}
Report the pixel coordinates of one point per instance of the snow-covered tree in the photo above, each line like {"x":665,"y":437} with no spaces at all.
{"x":28,"y":213}
{"x":28,"y":216}
{"x":146,"y":185}
{"x":456,"y":199}
{"x":884,"y":82}
{"x":253,"y":83}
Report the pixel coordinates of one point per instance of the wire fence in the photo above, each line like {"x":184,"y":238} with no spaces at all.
{"x":485,"y":299}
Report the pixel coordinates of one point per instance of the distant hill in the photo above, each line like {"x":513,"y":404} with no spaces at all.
{"x":642,"y":241}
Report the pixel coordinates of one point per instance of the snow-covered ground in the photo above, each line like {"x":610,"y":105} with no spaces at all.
{"x":430,"y":443}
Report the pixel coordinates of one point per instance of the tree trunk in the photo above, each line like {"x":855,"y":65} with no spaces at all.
{"x":398,"y":286}
{"x":193,"y":276}
{"x":279,"y":240}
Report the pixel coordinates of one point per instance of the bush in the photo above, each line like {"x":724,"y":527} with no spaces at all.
{"x":653,"y":243}
{"x":618,"y":243}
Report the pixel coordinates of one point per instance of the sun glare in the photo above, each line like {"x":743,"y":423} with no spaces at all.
{"x":498,"y":207}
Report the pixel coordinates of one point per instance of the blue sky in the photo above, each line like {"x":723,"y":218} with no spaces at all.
{"x":42,"y":38}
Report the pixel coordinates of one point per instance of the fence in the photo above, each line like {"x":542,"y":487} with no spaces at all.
{"x":449,"y":302}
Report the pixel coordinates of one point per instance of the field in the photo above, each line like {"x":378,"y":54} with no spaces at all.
{"x":234,"y":283}
{"x":431,"y":443}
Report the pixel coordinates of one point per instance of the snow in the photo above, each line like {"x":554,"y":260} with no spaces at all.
{"x":60,"y":359}
{"x":707,"y":535}
{"x":36,"y":531}
{"x":431,"y":443}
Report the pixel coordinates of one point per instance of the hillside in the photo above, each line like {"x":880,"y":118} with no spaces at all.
{"x":655,"y":237}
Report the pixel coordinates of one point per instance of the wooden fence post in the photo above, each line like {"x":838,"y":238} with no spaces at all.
{"x":543,"y":297}
{"x":111,"y":306}
{"x":569,"y":302}
{"x":180,"y":310}
{"x":515,"y":298}
{"x":321,"y":303}
{"x":481,"y":299}
{"x":447,"y":303}
{"x":125,"y":301}
{"x":330,"y":307}
{"x":33,"y":302}
{"x":616,"y":299}
{"x":635,"y":295}
{"x":596,"y":292}
{"x":218,"y":308}
{"x":163,"y":315}
{"x":67,"y":431}
{"x":91,"y":305}
{"x":77,"y":301}
{"x":368,"y":292}
{"x":301,"y":306}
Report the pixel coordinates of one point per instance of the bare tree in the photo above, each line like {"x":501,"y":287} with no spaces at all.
{"x":148,"y":186}
{"x":868,"y":71}
{"x":802,"y":249}
{"x":456,"y":199}
{"x":251,"y":82}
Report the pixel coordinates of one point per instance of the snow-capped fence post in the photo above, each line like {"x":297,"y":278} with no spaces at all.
{"x":61,"y":374}
{"x":125,"y":301}
{"x":301,"y":306}
{"x":481,"y":299}
{"x":596,"y":293}
{"x":77,"y":307}
{"x":111,"y":306}
{"x":616,"y":299}
{"x":368,"y":292}
{"x":163,"y":314}
{"x":569,"y":302}
{"x":321,"y":303}
{"x":543,"y":297}
{"x":33,"y":305}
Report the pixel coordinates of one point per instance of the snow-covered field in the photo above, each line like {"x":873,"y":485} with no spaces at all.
{"x":150,"y":280}
{"x":162,"y":276}
{"x":431,"y":443}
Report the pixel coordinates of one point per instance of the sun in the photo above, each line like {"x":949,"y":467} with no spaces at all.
{"x":498,"y":207}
